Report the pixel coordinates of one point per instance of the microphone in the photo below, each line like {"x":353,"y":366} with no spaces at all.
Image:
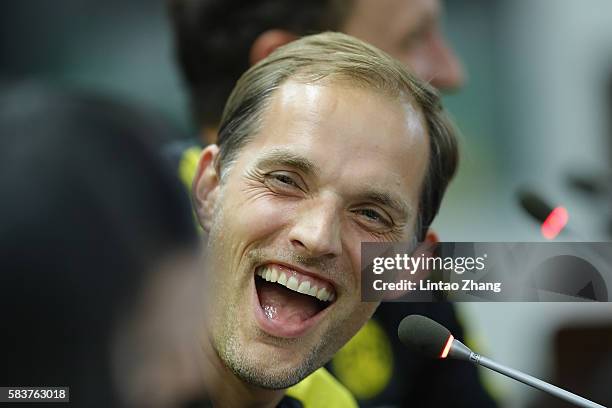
{"x":553,"y":220}
{"x":434,"y":340}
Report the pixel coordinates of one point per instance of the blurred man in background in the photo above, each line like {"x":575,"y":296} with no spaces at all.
{"x":218,"y":40}
{"x":98,"y":288}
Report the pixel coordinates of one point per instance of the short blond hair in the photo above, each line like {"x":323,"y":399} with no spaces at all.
{"x":335,"y":57}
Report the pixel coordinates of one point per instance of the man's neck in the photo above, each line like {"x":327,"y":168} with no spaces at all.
{"x":226,"y":390}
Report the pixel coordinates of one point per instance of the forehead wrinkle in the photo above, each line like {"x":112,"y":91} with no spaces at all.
{"x":288,"y":158}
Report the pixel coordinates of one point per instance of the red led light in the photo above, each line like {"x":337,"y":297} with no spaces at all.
{"x":447,"y":346}
{"x":554,"y":223}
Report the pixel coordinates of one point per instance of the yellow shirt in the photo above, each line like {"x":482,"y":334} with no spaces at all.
{"x":320,"y":389}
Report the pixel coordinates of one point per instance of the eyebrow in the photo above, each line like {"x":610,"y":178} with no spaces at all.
{"x":286,"y":158}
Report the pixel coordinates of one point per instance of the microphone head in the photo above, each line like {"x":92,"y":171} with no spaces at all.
{"x":424,"y":335}
{"x":534,"y":205}
{"x":553,"y":220}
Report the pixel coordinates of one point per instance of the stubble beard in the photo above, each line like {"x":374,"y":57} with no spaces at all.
{"x":250,"y":369}
{"x":239,"y":358}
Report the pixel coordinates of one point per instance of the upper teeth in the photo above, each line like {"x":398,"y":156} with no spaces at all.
{"x":290,"y":282}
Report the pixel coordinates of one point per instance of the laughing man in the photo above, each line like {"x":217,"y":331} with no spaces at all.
{"x":325,"y":144}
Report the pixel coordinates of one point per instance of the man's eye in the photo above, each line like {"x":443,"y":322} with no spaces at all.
{"x":284,"y":182}
{"x":283,"y":178}
{"x":374,"y":216}
{"x":415,"y":38}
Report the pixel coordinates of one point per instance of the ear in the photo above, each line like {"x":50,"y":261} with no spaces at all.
{"x":267,"y":42}
{"x":432,"y":238}
{"x":205,"y":188}
{"x":424,"y":249}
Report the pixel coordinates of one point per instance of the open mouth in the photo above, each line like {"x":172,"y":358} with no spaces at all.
{"x":290,"y":302}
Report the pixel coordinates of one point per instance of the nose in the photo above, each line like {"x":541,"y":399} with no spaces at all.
{"x":316,"y":230}
{"x":447,"y":71}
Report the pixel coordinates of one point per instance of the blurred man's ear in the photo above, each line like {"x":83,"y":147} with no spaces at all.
{"x":267,"y":42}
{"x":205,"y":189}
{"x":432,"y":238}
{"x":425,"y":249}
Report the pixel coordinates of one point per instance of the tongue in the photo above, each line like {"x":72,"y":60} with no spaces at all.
{"x":285,"y":305}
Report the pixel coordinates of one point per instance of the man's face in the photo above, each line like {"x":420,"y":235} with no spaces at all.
{"x":331,"y":167}
{"x":409,"y":31}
